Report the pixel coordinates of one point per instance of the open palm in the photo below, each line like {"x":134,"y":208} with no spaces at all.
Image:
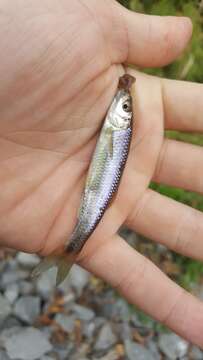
{"x":59,"y":71}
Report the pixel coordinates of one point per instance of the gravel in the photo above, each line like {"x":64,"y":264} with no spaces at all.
{"x":80,"y":320}
{"x":78,"y":279}
{"x":83,"y":313}
{"x":12,"y":292}
{"x":136,"y":351}
{"x":106,"y":338}
{"x":29,"y":261}
{"x":27,"y":308}
{"x":196,"y":353}
{"x":46,"y":283}
{"x":5,"y":309}
{"x":28,"y":344}
{"x":173,"y":346}
{"x":67,"y":323}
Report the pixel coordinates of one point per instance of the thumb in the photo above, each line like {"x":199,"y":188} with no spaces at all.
{"x":152,"y":40}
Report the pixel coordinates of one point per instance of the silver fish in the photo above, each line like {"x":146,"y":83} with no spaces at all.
{"x":103,"y":177}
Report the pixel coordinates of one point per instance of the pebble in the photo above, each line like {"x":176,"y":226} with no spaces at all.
{"x":27,"y":344}
{"x":3,"y":355}
{"x":66,"y":322}
{"x":78,"y":279}
{"x":83,"y":313}
{"x":27,"y":260}
{"x":12,"y":276}
{"x":10,"y":322}
{"x":153,"y":348}
{"x":173,"y":346}
{"x":136,"y":351}
{"x":196,"y":353}
{"x":46,"y":283}
{"x":63,"y":352}
{"x":106,"y":338}
{"x":12,"y":292}
{"x":5,"y":309}
{"x":124,"y":331}
{"x":27,"y":308}
{"x":116,"y":310}
{"x":112,"y":355}
{"x":7,"y":333}
{"x":26,"y":287}
{"x":88,"y":329}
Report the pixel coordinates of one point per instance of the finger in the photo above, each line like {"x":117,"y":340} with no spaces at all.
{"x":170,"y":223}
{"x":154,"y":40}
{"x":180,"y":165}
{"x":144,"y":285}
{"x":183,"y":103}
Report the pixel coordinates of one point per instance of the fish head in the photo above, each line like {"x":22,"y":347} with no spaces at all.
{"x":120,"y":113}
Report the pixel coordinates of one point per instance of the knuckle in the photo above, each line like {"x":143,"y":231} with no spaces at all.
{"x":171,"y":311}
{"x":161,"y":160}
{"x":186,"y":232}
{"x":138,"y":209}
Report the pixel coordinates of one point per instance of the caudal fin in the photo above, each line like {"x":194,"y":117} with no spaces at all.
{"x":62,"y":263}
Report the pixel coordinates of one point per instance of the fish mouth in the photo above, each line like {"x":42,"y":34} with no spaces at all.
{"x":126,"y":81}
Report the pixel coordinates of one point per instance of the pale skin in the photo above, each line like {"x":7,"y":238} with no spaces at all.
{"x":59,"y":69}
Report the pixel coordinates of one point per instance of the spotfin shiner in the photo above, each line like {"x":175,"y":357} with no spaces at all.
{"x":103,"y":178}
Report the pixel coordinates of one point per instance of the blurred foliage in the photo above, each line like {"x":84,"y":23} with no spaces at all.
{"x":188,"y":67}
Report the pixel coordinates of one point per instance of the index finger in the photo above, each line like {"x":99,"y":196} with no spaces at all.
{"x":144,"y":285}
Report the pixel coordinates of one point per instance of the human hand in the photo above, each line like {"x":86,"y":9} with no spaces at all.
{"x":59,"y":71}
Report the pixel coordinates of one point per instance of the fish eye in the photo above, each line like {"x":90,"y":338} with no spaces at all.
{"x":126,"y":107}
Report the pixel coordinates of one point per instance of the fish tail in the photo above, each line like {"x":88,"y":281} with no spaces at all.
{"x":63,"y":263}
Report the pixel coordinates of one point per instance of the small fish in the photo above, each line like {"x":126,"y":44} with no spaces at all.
{"x":103,"y":178}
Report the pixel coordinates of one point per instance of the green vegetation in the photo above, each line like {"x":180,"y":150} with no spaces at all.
{"x":189,"y":67}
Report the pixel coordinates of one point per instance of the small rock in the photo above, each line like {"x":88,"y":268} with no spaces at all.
{"x":99,"y":321}
{"x":27,"y":260}
{"x":46,"y":283}
{"x":63,"y":352}
{"x":196,"y":353}
{"x":11,"y":322}
{"x":26,"y":287}
{"x":78,"y":279}
{"x":12,"y":292}
{"x":12,"y":276}
{"x":88,"y":329}
{"x":154,"y":350}
{"x":7,"y":333}
{"x":81,"y":352}
{"x":173,"y":346}
{"x":124,"y":331}
{"x":28,"y":344}
{"x":83,"y":313}
{"x":3,"y":355}
{"x":27,"y":308}
{"x":112,"y":355}
{"x":106,"y":338}
{"x":5,"y":309}
{"x":136,"y":351}
{"x":118,"y":310}
{"x":66,"y":322}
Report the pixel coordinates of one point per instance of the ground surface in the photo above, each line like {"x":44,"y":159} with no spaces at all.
{"x":83,"y":319}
